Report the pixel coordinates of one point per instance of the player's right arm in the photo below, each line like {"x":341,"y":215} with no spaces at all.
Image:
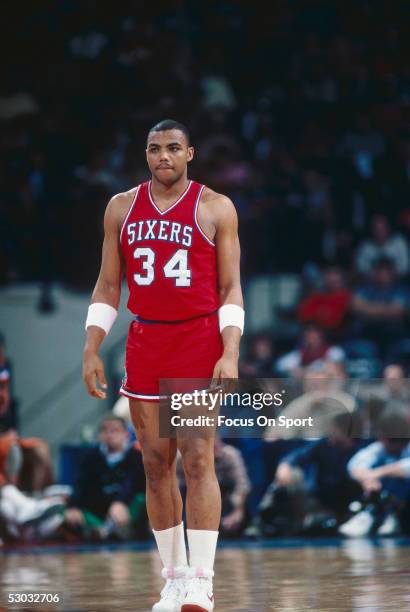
{"x":107,"y":291}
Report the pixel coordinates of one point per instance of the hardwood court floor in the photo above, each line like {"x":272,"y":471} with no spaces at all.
{"x":288,"y":576}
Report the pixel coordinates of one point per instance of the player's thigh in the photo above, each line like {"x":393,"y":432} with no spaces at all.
{"x":145,"y":418}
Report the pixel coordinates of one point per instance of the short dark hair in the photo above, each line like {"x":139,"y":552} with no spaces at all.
{"x":170,"y":124}
{"x":393,"y":425}
{"x":113,"y":417}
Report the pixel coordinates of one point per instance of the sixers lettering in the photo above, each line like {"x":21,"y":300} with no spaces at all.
{"x":178,"y":242}
{"x":157,"y":230}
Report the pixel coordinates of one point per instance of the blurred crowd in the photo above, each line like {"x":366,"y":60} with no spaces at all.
{"x":348,"y":476}
{"x":300,"y":114}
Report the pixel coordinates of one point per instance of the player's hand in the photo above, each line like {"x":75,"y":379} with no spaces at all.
{"x":226,"y":368}
{"x":119,"y":513}
{"x":93,"y":370}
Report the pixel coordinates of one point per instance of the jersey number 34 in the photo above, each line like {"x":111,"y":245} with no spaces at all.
{"x":176,"y":267}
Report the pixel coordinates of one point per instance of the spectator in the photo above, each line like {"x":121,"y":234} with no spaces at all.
{"x":25,"y":518}
{"x":10,"y":452}
{"x":5,"y":364}
{"x":380,"y":306}
{"x":20,"y":515}
{"x":35,"y":471}
{"x":328,"y":493}
{"x":259,"y":359}
{"x":235,"y":486}
{"x":383,"y":471}
{"x":322,"y":399}
{"x":109,"y":495}
{"x":313,"y":347}
{"x":396,"y":389}
{"x":383,"y":244}
{"x":328,"y":307}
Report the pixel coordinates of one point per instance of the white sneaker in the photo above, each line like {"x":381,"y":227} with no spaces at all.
{"x":20,"y":509}
{"x":174,"y":591}
{"x":199,"y":597}
{"x":35,"y":509}
{"x":390,"y":526}
{"x":358,"y":526}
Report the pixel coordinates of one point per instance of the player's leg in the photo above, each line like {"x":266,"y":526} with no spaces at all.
{"x":164,"y":503}
{"x":203,"y":511}
{"x":203,"y":498}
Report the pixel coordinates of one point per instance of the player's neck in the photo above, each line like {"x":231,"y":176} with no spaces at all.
{"x":169,"y":191}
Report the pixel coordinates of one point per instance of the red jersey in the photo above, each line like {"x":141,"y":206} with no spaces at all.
{"x":170,"y":262}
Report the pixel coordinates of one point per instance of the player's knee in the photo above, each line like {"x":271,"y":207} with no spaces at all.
{"x":196,"y":464}
{"x":156,"y":467}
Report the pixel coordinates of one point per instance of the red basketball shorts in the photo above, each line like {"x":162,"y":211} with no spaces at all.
{"x":156,"y":350}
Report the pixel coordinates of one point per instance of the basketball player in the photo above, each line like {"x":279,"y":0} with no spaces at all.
{"x":179,"y":245}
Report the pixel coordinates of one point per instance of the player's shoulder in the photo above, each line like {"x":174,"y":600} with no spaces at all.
{"x":120,"y":203}
{"x":217,"y":204}
{"x":209,"y":196}
{"x":118,"y":208}
{"x":123,"y":198}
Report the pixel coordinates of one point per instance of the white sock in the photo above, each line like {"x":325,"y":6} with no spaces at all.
{"x":171,"y":546}
{"x":202,"y":547}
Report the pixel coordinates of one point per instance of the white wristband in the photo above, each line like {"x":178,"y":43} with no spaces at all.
{"x":101,"y":315}
{"x":231,"y":314}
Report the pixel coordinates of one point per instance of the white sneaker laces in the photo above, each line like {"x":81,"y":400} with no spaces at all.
{"x":199,"y":580}
{"x":175,"y":583}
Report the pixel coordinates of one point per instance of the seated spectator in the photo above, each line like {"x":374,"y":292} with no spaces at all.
{"x":391,"y":394}
{"x":327,"y":307}
{"x":259,"y":360}
{"x":6,"y":366}
{"x":25,"y":518}
{"x":383,"y":244}
{"x":380,"y":305}
{"x":383,"y":471}
{"x":235,"y":486}
{"x":313,"y":347}
{"x":328,"y":494}
{"x":20,"y":515}
{"x":323,"y":397}
{"x":108,"y":497}
{"x":395,"y":392}
{"x":35,"y":467}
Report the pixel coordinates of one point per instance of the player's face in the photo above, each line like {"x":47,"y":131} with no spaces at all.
{"x":168,"y":154}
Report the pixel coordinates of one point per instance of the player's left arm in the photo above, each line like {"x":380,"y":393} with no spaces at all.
{"x":229,"y":283}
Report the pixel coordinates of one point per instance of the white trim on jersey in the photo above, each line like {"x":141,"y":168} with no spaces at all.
{"x":196,"y":218}
{"x":154,"y":398}
{"x":163,"y":212}
{"x":130,"y":210}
